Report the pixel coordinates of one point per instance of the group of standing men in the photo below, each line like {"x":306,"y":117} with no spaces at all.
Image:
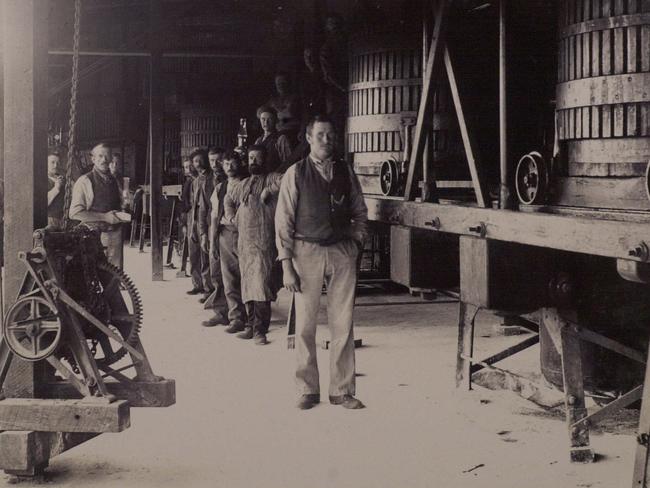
{"x":250,"y":218}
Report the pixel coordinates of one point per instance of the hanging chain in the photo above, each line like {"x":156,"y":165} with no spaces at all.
{"x":72,"y":147}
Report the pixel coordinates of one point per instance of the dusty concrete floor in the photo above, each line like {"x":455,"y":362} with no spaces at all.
{"x":235,"y":424}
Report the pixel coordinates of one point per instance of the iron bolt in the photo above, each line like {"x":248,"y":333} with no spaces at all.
{"x":571,"y":400}
{"x":643,"y":439}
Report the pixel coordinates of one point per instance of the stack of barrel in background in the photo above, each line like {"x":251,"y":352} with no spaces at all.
{"x":205,"y":127}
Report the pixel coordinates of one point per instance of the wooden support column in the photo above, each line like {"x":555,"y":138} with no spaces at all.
{"x":574,"y":391}
{"x":156,"y":134}
{"x":422,"y":126}
{"x":24,"y":40}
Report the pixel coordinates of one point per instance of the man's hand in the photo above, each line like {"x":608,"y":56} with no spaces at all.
{"x":58,"y":183}
{"x":112,"y":218}
{"x":205,"y":244}
{"x":290,"y":277}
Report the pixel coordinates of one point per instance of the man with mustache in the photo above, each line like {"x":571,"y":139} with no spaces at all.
{"x":223,"y":246}
{"x":253,"y":202}
{"x":197,"y":226}
{"x":55,"y":190}
{"x":96,"y":200}
{"x":321,"y":223}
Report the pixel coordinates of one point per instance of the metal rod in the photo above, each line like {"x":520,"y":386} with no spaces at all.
{"x":504,"y":192}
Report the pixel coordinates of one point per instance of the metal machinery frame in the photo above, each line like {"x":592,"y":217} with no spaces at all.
{"x":490,"y":236}
{"x":81,"y":338}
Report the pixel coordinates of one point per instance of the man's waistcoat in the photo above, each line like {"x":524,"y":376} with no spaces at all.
{"x":323,"y":210}
{"x":106,"y":193}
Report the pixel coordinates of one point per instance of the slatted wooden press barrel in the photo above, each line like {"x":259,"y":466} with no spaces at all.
{"x":385,"y":77}
{"x":603,"y":91}
{"x":204,"y":127}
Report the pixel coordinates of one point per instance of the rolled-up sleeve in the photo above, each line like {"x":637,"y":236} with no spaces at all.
{"x":285,"y":215}
{"x":358,"y":210}
{"x":82,"y":196}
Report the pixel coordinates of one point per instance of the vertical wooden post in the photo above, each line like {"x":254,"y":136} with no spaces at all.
{"x":574,"y":392}
{"x":156,"y":111}
{"x":466,"y":315}
{"x":24,"y":40}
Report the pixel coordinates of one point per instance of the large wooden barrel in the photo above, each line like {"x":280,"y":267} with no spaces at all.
{"x":204,"y":127}
{"x":384,"y":94}
{"x":603,"y":95}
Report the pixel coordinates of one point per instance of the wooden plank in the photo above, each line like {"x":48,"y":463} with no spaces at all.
{"x":138,"y":393}
{"x":64,"y":415}
{"x":467,"y":314}
{"x":607,"y":343}
{"x":614,"y":193}
{"x":506,"y":353}
{"x":644,"y":119}
{"x":595,"y":53}
{"x":645,"y":48}
{"x":619,"y":46}
{"x":611,"y":408}
{"x":434,"y":59}
{"x":574,"y":396}
{"x":631,"y":126}
{"x":480,"y":189}
{"x":156,"y":137}
{"x":608,"y":238}
{"x":579,"y":60}
{"x":604,"y":90}
{"x":607,"y":53}
{"x":24,"y":40}
{"x":619,"y":120}
{"x":595,"y":122}
{"x":474,"y":271}
{"x":607,"y":8}
{"x":632,"y":36}
{"x":22,"y":451}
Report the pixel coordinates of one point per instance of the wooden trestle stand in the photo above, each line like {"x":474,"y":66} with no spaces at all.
{"x":76,"y":319}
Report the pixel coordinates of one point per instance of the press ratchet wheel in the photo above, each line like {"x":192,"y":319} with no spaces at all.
{"x":124,"y":316}
{"x":32,"y":328}
{"x":531,"y":179}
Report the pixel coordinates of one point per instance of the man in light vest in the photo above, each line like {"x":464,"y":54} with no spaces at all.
{"x":321,"y":222}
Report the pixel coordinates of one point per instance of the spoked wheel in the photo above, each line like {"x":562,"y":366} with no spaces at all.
{"x":389,"y":177}
{"x":32,"y":328}
{"x":531,"y":179}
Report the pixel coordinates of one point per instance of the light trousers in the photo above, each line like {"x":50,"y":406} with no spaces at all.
{"x":231,"y":277}
{"x":114,"y":243}
{"x":337,"y":264}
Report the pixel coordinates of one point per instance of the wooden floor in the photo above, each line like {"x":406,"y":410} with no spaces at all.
{"x":235,"y":424}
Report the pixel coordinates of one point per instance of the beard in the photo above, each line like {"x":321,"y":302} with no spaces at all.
{"x":255,"y":169}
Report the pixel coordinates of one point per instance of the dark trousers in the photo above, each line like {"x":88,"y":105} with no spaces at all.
{"x":199,"y":262}
{"x":259,"y":316}
{"x":231,"y":276}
